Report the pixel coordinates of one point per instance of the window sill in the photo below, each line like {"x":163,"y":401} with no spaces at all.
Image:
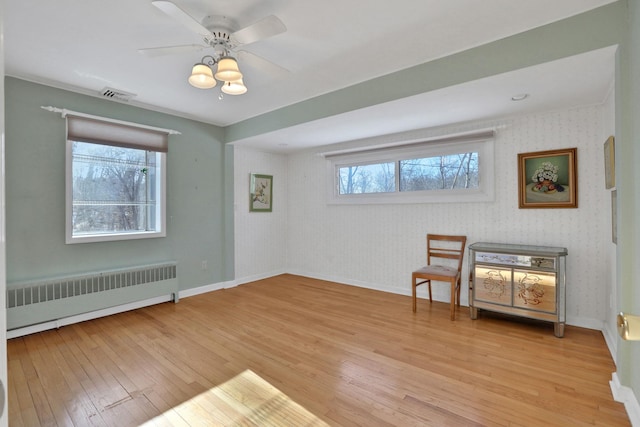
{"x":443,"y":196}
{"x":110,"y":237}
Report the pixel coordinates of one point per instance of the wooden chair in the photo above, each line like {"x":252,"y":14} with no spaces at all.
{"x":441,"y":246}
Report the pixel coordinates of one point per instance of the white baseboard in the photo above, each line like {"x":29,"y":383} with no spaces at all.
{"x":625,"y":395}
{"x":204,"y":289}
{"x":582,"y":322}
{"x":55,"y":324}
{"x":358,"y":283}
{"x":611,"y":338}
{"x":256,"y":277}
{"x":575,"y":321}
{"x":586,"y":322}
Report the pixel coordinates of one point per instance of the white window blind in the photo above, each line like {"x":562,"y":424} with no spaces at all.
{"x":107,"y":131}
{"x":116,"y":134}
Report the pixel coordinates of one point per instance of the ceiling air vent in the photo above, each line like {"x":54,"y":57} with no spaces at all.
{"x":116,"y":94}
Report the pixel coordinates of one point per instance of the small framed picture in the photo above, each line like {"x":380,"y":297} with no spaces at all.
{"x":261,"y":193}
{"x":548,"y":179}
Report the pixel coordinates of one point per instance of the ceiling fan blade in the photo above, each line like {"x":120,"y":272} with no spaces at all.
{"x":266,"y":27}
{"x":153,"y":52}
{"x":181,"y":16}
{"x":263,"y":65}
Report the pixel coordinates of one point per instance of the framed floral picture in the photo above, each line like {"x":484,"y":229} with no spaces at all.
{"x":610,"y":163}
{"x":260,"y":193}
{"x":548,"y":179}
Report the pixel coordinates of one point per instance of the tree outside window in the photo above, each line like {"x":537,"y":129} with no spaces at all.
{"x":446,"y":172}
{"x":113,"y":189}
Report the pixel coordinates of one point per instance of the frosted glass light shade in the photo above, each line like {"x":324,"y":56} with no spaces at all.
{"x":236,"y":87}
{"x":202,"y":77}
{"x":228,"y":70}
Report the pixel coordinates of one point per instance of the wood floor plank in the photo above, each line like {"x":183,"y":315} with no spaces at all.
{"x":294,"y":351}
{"x":37,"y":383}
{"x":80,"y":408}
{"x":22,"y":410}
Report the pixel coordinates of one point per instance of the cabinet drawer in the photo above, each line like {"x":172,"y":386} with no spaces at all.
{"x":538,"y":262}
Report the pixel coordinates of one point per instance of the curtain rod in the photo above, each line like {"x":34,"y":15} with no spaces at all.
{"x":470,"y":136}
{"x":64,"y":112}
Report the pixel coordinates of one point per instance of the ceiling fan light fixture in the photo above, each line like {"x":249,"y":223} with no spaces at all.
{"x":202,"y":77}
{"x":235,"y":87}
{"x":228,"y":70}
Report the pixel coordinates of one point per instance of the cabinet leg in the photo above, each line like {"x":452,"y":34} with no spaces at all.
{"x":473,"y":312}
{"x":558,"y":329}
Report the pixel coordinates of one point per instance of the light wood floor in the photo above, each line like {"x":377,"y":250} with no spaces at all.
{"x":296,"y":351}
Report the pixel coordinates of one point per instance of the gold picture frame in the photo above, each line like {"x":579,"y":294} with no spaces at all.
{"x":260,"y":193}
{"x":610,"y":163}
{"x":548,"y":179}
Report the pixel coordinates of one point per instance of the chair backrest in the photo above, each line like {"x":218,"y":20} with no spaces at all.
{"x":443,"y":246}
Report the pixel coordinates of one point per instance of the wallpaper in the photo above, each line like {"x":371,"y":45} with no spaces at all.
{"x":377,"y":246}
{"x":260,"y":237}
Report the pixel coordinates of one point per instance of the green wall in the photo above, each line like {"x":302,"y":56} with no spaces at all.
{"x":199,"y":182}
{"x":627,"y":184}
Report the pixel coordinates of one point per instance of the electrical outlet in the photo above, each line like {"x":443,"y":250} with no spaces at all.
{"x":204,"y":264}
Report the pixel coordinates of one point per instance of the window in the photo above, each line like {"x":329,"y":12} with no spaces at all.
{"x":446,"y":170}
{"x":367,"y":179}
{"x":115,"y":181}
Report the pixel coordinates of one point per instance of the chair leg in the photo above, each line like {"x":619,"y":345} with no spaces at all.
{"x":453,"y":300}
{"x":413,"y":292}
{"x":430,"y":298}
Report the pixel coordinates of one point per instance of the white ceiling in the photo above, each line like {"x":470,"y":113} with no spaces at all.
{"x":87,"y":45}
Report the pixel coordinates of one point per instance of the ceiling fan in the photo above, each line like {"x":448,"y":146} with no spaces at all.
{"x":221,"y":34}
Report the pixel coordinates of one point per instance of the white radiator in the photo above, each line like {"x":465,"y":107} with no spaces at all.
{"x":49,"y":300}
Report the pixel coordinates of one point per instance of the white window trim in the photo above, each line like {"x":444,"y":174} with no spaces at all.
{"x":131,"y":138}
{"x":106,"y":237}
{"x":484,"y":193}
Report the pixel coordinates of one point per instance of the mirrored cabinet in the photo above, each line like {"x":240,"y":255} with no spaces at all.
{"x":521,"y":280}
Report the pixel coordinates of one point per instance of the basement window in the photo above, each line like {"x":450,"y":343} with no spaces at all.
{"x":450,"y":169}
{"x":115,"y":181}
